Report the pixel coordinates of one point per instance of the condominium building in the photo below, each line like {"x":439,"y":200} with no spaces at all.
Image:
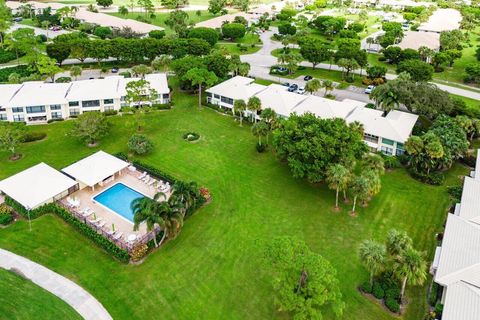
{"x":38,"y":102}
{"x":385,"y":132}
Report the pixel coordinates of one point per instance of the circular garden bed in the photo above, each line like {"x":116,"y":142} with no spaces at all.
{"x":191,"y":136}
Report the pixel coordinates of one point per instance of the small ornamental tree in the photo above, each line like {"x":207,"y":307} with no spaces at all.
{"x":105,"y":3}
{"x":48,"y":67}
{"x":207,"y":34}
{"x":417,"y":69}
{"x":156,"y":34}
{"x":58,"y":51}
{"x":10,"y":138}
{"x":139,"y":144}
{"x":200,"y":77}
{"x":90,"y":126}
{"x":139,"y":92}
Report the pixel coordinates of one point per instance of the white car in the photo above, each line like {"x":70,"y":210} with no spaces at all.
{"x":301,"y":90}
{"x":369,"y":89}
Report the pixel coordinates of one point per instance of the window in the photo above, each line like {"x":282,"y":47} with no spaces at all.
{"x":36,"y":109}
{"x":2,"y":109}
{"x":108,"y":101}
{"x":3,"y":117}
{"x":18,"y":118}
{"x":370,"y":138}
{"x":227,"y":100}
{"x":122,"y":98}
{"x":400,"y":149}
{"x":387,"y":150}
{"x":73,"y":104}
{"x":166,"y":96}
{"x":106,"y":108}
{"x":216,"y":96}
{"x":56,"y":115}
{"x":74,"y":112}
{"x":91,"y":103}
{"x":209,"y":94}
{"x":17,"y":109}
{"x":55,"y":107}
{"x":388,"y":141}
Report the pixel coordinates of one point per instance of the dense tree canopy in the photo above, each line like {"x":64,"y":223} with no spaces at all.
{"x":310,"y":145}
{"x":207,"y":34}
{"x":233,"y":30}
{"x":418,"y":70}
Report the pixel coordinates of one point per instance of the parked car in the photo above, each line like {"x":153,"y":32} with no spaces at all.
{"x":293,"y":87}
{"x":301,"y":90}
{"x":286,"y":84}
{"x":308,"y":78}
{"x":55,"y":28}
{"x":18,"y":19}
{"x":114,"y":70}
{"x":369,"y":89}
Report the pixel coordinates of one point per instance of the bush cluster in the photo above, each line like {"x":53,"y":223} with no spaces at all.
{"x":55,"y":120}
{"x":110,"y":112}
{"x":6,"y":56}
{"x":158,"y":106}
{"x":366,"y":287}
{"x":22,"y":71}
{"x":434,"y":178}
{"x":33,"y":136}
{"x":378,"y":291}
{"x":6,"y":214}
{"x":83,"y":228}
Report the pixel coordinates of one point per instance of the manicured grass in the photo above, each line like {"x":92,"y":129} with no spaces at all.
{"x":250,"y":41}
{"x":471,"y":103}
{"x":22,"y":299}
{"x":160,"y":18}
{"x":324,"y":74}
{"x":214,"y":267}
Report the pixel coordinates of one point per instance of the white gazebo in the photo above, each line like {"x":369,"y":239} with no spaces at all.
{"x":37,"y":185}
{"x":99,"y":168}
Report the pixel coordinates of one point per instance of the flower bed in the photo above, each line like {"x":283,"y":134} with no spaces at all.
{"x":191,"y":136}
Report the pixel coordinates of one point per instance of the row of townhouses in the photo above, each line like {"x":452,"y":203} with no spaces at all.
{"x":385,"y":133}
{"x":38,"y":102}
{"x":456,"y":266}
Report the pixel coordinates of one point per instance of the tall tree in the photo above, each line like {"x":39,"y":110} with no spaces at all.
{"x":397,"y":242}
{"x":10,"y":137}
{"x":313,"y":86}
{"x":146,"y":210}
{"x":186,"y":194}
{"x":90,"y":126}
{"x":5,"y":21}
{"x":239,"y":106}
{"x":373,"y":256}
{"x":76,"y":71}
{"x":200,"y":77}
{"x":254,"y":105}
{"x":360,"y":187}
{"x":48,"y":67}
{"x":411,"y":267}
{"x":260,"y":129}
{"x":337,"y":177}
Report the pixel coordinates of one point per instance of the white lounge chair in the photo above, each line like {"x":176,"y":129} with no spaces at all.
{"x":151,"y":182}
{"x":111,"y":232}
{"x":143,"y":175}
{"x":146,"y":178}
{"x":147,"y":181}
{"x":101,"y":224}
{"x":96,"y":220}
{"x":118,"y":236}
{"x":87,"y":212}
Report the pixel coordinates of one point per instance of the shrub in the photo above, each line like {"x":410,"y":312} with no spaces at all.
{"x":191,"y":136}
{"x":433,"y":297}
{"x":261,"y":147}
{"x":438,"y":307}
{"x":157,"y":34}
{"x":42,"y":38}
{"x":138,"y":252}
{"x":110,"y":112}
{"x":63,"y":80}
{"x":165,"y":106}
{"x":5,"y":219}
{"x":392,"y":305}
{"x":125,"y":74}
{"x":378,"y":291}
{"x":55,"y":120}
{"x":139,"y":144}
{"x":4,"y":209}
{"x":434,"y":178}
{"x":366,"y":287}
{"x":22,"y":71}
{"x":455,"y":193}
{"x":34,"y":136}
{"x":392,"y":293}
{"x":6,"y":56}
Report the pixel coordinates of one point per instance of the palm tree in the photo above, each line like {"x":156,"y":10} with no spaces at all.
{"x":260,"y":129}
{"x":360,"y":188}
{"x":269,"y":116}
{"x":172,"y":219}
{"x":373,"y":256}
{"x":161,"y":63}
{"x":313,"y":86}
{"x":254,"y":105}
{"x":411,"y":267}
{"x":357,"y":127}
{"x":239,"y":106}
{"x":338,"y":177}
{"x":328,"y":86}
{"x":397,"y":242}
{"x":374,"y":183}
{"x":146,"y":210}
{"x":185,"y":194}
{"x":374,"y":162}
{"x":384,"y":98}
{"x":123,"y":10}
{"x":370,"y":41}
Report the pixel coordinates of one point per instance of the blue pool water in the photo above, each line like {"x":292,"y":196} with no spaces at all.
{"x":119,"y":198}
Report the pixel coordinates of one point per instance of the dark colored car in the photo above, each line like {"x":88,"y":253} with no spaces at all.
{"x":114,"y":70}
{"x":286,"y":84}
{"x":308,"y":78}
{"x":293,"y":88}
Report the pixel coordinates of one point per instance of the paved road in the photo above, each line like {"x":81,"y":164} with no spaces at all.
{"x":79,"y":299}
{"x":261,"y":61}
{"x":38,"y":31}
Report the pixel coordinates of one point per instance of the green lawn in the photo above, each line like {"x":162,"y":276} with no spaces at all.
{"x":214,"y":267}
{"x":160,"y":18}
{"x":22,"y":299}
{"x":471,"y":103}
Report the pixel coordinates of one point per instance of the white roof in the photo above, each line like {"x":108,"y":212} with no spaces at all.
{"x":36,"y":185}
{"x":396,"y":125}
{"x":415,"y":40}
{"x":94,"y":89}
{"x":470,"y":203}
{"x":95,"y":168}
{"x":158,"y":81}
{"x":37,"y":93}
{"x":442,"y":20}
{"x":7,"y":91}
{"x":278,"y":98}
{"x":115,"y":22}
{"x":460,"y":258}
{"x":327,"y":108}
{"x":237,"y":88}
{"x":36,"y":5}
{"x":462,"y":302}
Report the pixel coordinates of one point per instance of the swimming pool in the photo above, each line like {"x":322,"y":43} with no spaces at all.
{"x":119,"y":198}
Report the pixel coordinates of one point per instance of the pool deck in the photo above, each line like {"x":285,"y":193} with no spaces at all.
{"x":131,"y":180}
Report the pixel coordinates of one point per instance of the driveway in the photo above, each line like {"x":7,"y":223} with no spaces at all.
{"x":38,"y":31}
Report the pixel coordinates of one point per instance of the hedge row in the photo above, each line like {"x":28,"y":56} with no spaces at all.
{"x":85,"y":229}
{"x":22,"y":70}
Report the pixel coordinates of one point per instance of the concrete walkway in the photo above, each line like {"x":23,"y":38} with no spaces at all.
{"x":79,"y":299}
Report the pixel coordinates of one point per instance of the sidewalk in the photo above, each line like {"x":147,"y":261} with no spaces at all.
{"x":79,"y":299}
